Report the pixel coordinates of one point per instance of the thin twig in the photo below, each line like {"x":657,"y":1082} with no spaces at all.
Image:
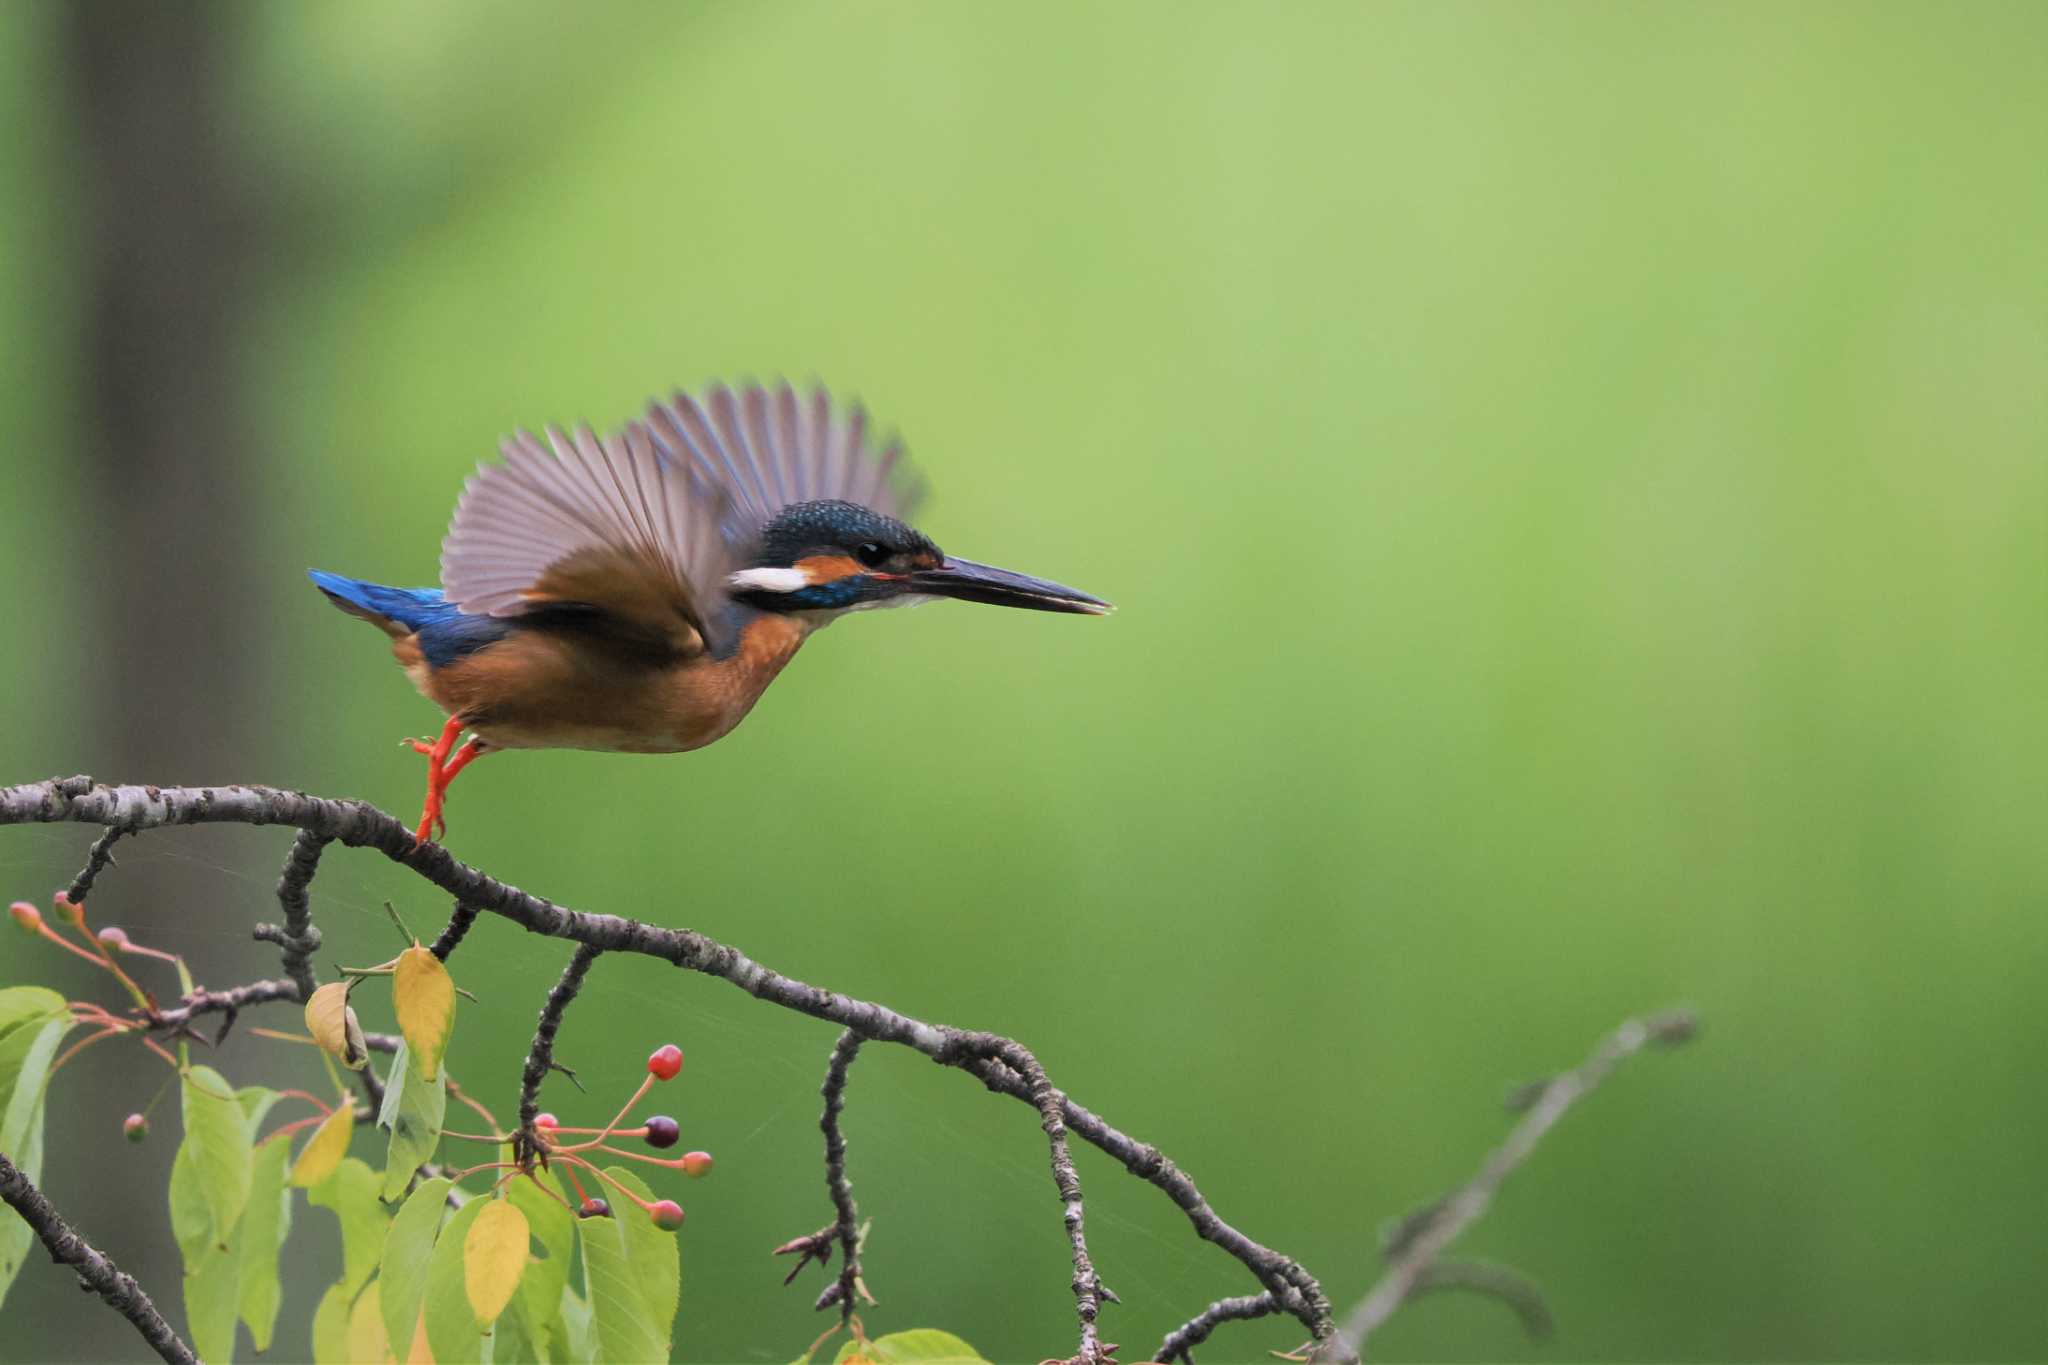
{"x":1089,"y":1291}
{"x":451,"y":935}
{"x":540,"y":1057}
{"x":357,"y":824}
{"x":845,"y":1227}
{"x":1180,"y":1343}
{"x":1422,"y":1237}
{"x":96,"y":860}
{"x":203,"y":1001}
{"x":298,"y":939}
{"x":96,"y":1270}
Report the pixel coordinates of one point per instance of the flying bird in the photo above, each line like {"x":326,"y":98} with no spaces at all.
{"x":637,"y":593}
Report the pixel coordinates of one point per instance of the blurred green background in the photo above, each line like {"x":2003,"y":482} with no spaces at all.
{"x":1573,"y":480}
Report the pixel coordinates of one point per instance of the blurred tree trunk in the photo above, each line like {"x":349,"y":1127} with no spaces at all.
{"x":169,"y":550}
{"x":166,"y":261}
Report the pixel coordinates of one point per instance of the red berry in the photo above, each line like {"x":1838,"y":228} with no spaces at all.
{"x":696,"y":1164}
{"x":662,"y":1131}
{"x":27,"y":916}
{"x":70,"y":909}
{"x":117,"y":939}
{"x":667,"y":1214}
{"x":665,"y":1062}
{"x":594,"y":1208}
{"x":546,"y":1121}
{"x":135,"y":1127}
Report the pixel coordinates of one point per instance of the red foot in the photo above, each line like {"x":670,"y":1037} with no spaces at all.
{"x":441,"y":770}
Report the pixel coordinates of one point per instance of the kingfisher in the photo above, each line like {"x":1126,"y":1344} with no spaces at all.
{"x":637,"y":592}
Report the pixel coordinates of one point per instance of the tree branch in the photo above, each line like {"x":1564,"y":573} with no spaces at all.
{"x":540,"y":1057}
{"x":96,"y":1270}
{"x":1001,"y":1064}
{"x":298,"y":938}
{"x":1421,"y":1237}
{"x":845,"y":1226}
{"x":1181,"y":1341}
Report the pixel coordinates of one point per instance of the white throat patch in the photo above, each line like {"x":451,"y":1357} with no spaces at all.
{"x":770,"y":580}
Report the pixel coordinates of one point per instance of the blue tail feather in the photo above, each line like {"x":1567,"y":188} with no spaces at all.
{"x":445,"y":632}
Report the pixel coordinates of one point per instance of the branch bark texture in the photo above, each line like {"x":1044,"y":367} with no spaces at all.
{"x":1002,"y":1064}
{"x":96,"y":1270}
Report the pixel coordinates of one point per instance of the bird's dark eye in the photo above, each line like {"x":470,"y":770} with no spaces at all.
{"x":871,"y":553}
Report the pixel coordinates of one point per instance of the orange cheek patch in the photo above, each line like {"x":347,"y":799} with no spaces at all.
{"x":828,"y":568}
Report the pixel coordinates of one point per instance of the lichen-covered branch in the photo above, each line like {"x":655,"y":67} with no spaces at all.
{"x":96,"y":1270}
{"x":1422,"y":1237}
{"x":1002,"y":1065}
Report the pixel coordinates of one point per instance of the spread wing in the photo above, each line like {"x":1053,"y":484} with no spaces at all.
{"x":767,"y":448}
{"x":611,"y":529}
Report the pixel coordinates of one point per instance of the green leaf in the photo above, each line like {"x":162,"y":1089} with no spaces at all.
{"x":412,"y":1113}
{"x":217,"y":1136}
{"x":451,"y":1327}
{"x":407,"y":1250}
{"x":352,"y":1193}
{"x":631,"y":1283}
{"x":213,"y":1286}
{"x":330,"y":1327}
{"x":515,"y":1340}
{"x":579,"y":1337}
{"x":920,"y":1346}
{"x":265,"y":1224}
{"x":554,"y":1230}
{"x":33,"y":1021}
{"x":656,"y":1255}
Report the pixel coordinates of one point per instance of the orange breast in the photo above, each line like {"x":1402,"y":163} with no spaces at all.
{"x":547,"y":690}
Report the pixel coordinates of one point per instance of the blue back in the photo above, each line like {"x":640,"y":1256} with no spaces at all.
{"x":445,"y":632}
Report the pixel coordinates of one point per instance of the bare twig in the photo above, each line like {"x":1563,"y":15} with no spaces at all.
{"x":1089,"y":1291}
{"x":229,"y":1002}
{"x":96,"y":860}
{"x":845,"y":1226}
{"x":1001,"y":1064}
{"x":451,"y":935}
{"x":1505,"y":1283}
{"x":96,"y":1270}
{"x":540,"y":1057}
{"x":298,"y":938}
{"x":1180,"y":1343}
{"x":1422,"y":1237}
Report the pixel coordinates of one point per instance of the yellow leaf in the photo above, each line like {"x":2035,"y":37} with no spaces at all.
{"x":325,"y":1149}
{"x":366,"y":1344}
{"x":424,"y":994}
{"x":333,"y":1025}
{"x":493,"y":1259}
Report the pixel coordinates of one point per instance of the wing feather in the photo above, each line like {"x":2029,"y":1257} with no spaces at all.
{"x":646,"y":525}
{"x":768,"y":449}
{"x":612,"y":525}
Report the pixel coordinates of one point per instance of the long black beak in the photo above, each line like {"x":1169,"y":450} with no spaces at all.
{"x":972,"y":582}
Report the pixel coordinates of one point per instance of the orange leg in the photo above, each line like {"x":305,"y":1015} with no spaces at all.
{"x":441,"y":770}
